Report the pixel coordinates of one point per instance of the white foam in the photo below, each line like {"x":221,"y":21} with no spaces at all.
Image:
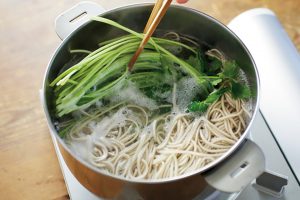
{"x":99,"y":103}
{"x":249,"y":103}
{"x":82,"y":148}
{"x":163,"y":95}
{"x":132,"y":94}
{"x":187,"y":89}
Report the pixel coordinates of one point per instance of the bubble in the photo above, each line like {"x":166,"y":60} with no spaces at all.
{"x":125,"y":112}
{"x":133,"y":95}
{"x":187,"y":90}
{"x":249,"y":103}
{"x":99,"y":104}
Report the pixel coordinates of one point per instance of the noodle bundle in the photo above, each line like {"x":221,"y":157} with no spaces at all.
{"x":167,"y":146}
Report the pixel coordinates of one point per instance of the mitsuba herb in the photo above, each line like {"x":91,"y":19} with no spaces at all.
{"x":103,"y":71}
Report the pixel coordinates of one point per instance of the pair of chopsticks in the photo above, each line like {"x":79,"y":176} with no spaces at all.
{"x":159,"y":10}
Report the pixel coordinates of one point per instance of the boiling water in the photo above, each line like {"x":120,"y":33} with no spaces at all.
{"x":186,"y":91}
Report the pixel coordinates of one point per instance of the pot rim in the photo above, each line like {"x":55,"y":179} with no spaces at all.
{"x":154,"y":181}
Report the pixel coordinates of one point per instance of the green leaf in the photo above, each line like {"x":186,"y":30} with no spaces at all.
{"x":230,"y":69}
{"x":194,"y":61}
{"x":214,"y":96}
{"x":202,"y":60}
{"x":155,"y":92}
{"x":197,"y":61}
{"x":202,"y":106}
{"x":240,"y":91}
{"x":213,"y":67}
{"x":216,"y":81}
{"x":198,"y":106}
{"x":166,"y":62}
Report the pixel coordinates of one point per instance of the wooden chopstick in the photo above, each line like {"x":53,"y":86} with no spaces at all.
{"x":162,"y":11}
{"x":154,"y":12}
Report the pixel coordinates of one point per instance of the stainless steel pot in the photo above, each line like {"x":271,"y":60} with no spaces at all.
{"x":230,"y":173}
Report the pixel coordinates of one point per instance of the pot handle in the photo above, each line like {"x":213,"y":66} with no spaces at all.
{"x":71,"y":19}
{"x":240,"y":169}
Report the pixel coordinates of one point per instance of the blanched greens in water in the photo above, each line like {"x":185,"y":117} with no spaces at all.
{"x":103,"y":72}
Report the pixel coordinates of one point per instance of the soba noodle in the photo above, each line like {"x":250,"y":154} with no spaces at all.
{"x":130,"y":144}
